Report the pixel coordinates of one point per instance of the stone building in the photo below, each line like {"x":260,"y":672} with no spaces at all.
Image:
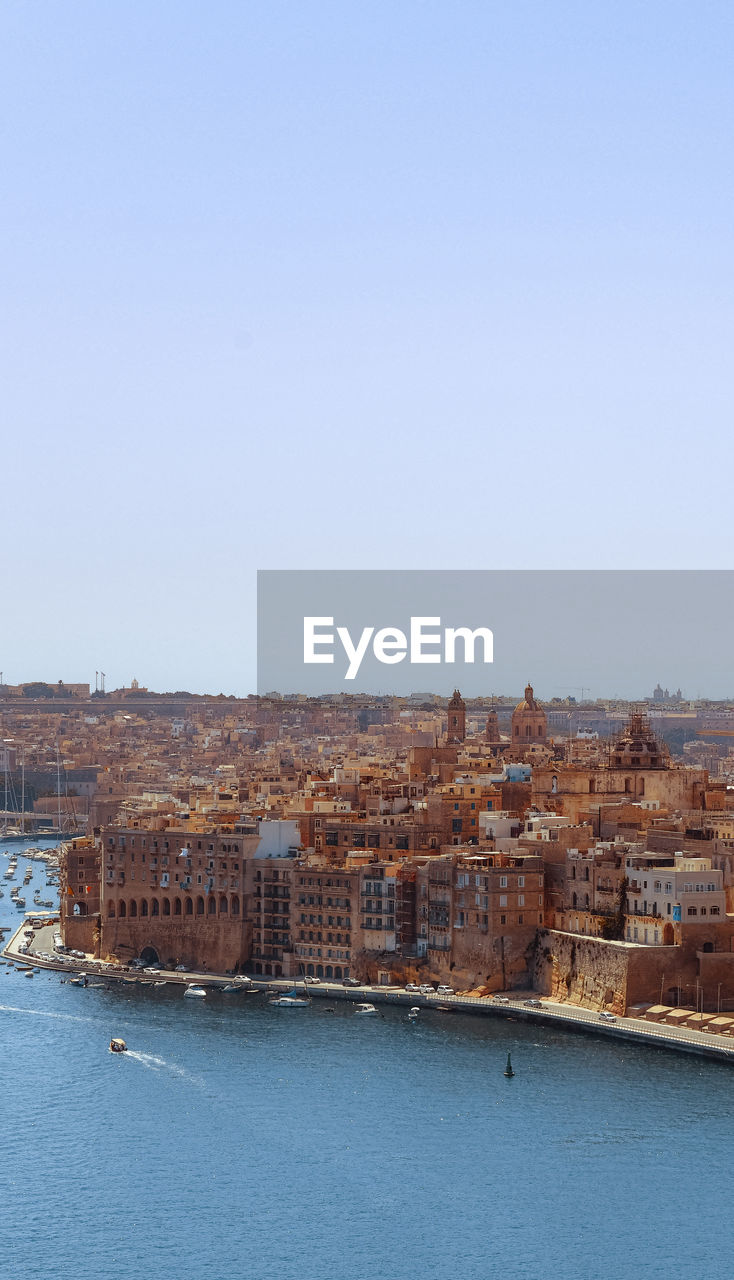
{"x":176,"y":895}
{"x":636,"y":769}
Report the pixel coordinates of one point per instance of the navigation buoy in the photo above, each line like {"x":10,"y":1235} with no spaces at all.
{"x":508,"y":1069}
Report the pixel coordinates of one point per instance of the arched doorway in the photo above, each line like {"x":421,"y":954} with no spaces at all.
{"x":150,"y":955}
{"x":668,"y":935}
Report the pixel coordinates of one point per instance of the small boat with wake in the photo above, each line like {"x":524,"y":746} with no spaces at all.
{"x":117,"y":1045}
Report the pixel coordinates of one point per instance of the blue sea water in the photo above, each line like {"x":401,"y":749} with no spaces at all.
{"x":237,"y":1139}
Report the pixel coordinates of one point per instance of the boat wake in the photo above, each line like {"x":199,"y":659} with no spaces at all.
{"x":153,"y":1063}
{"x":44,"y":1013}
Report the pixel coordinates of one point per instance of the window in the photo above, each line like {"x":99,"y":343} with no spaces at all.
{"x":521,"y":901}
{"x":521,"y":882}
{"x":503,"y":899}
{"x":503,"y":882}
{"x":693,"y":911}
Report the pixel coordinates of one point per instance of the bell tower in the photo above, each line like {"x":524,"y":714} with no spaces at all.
{"x":457,"y":719}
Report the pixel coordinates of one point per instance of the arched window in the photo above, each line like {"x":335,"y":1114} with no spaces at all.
{"x":200,"y":906}
{"x":189,"y":907}
{"x":144,"y":907}
{"x":235,"y":905}
{"x":111,"y":910}
{"x":177,"y":906}
{"x":154,"y":909}
{"x":212,"y":906}
{"x":133,"y":908}
{"x":337,"y":971}
{"x":574,"y":900}
{"x":222,"y":906}
{"x":121,"y":910}
{"x":166,"y":907}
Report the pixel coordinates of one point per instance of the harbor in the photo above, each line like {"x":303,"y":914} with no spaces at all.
{"x":32,"y":945}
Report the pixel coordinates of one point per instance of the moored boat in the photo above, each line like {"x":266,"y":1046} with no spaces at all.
{"x":365,"y":1009}
{"x":194,"y":991}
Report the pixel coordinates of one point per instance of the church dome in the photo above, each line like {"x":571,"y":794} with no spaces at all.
{"x":528,"y":703}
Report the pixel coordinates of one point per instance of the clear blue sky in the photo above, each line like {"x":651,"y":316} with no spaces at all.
{"x":351,"y":285}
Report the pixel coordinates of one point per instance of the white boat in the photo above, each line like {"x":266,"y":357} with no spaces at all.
{"x":365,"y":1010}
{"x":413,"y":1013}
{"x":194,"y":991}
{"x":290,"y":1002}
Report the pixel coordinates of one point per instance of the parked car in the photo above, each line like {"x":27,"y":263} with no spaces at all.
{"x":314,"y":981}
{"x":182,"y":968}
{"x":444,"y":990}
{"x":607,"y":1017}
{"x":412,"y":987}
{"x":352,"y":982}
{"x":534,"y":1003}
{"x":501,"y":999}
{"x":426,"y":989}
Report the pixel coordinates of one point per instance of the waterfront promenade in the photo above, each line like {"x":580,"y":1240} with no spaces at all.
{"x":550,"y":1013}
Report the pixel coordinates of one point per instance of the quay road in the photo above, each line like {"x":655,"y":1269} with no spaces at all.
{"x":550,"y":1012}
{"x":571,"y":1017}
